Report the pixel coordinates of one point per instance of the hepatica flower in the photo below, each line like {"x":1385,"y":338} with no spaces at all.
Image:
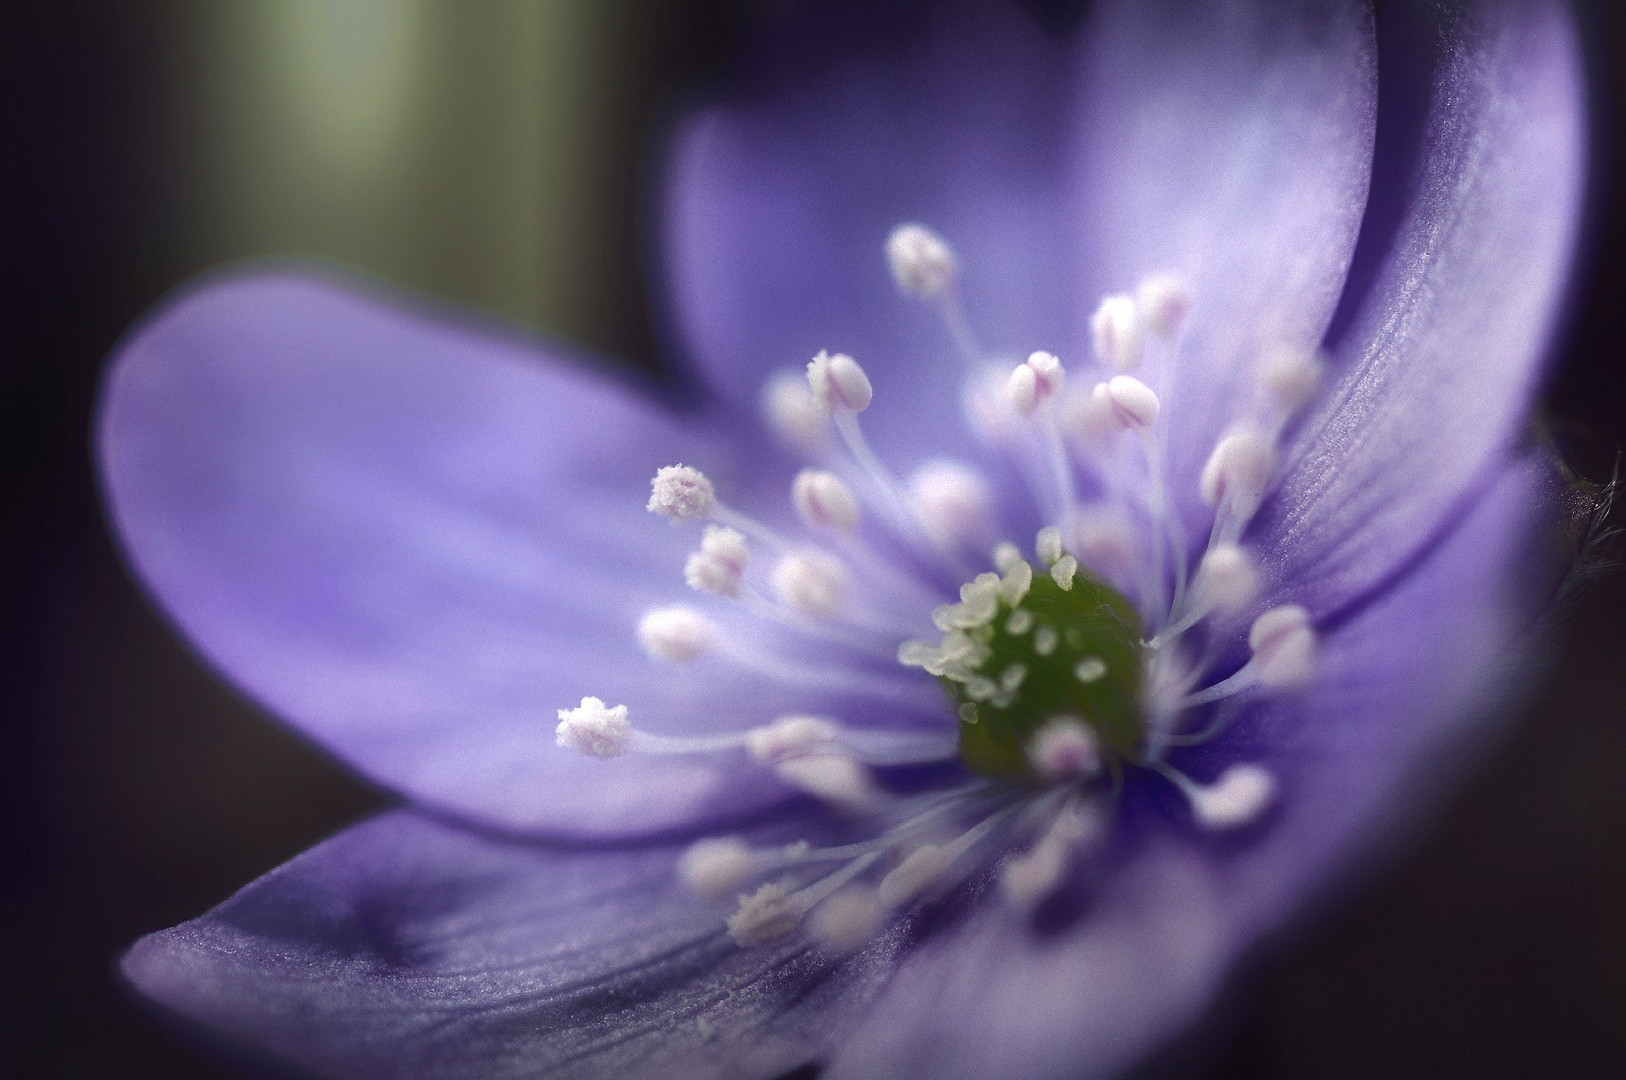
{"x":1104,"y":515}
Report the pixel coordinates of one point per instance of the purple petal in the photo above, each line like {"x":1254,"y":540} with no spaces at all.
{"x":1436,"y":375}
{"x":777,"y":215}
{"x":1403,"y":682}
{"x":1230,"y":145}
{"x":407,"y":948}
{"x":416,"y":541}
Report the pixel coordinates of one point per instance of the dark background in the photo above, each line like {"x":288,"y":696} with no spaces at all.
{"x":143,"y":143}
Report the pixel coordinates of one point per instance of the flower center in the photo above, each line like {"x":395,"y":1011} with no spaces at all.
{"x":1025,"y":651}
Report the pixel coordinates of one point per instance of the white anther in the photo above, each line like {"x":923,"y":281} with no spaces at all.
{"x":953,"y":504}
{"x":1284,"y":647}
{"x":1239,"y":470}
{"x":979,"y":603}
{"x":594,"y":729}
{"x":811,"y":582}
{"x":1065,"y":749}
{"x":1119,"y":340}
{"x":1006,"y":555}
{"x":1227,"y":579}
{"x":766,"y":915}
{"x":846,"y":920}
{"x":1045,"y":640}
{"x":922,"y":262}
{"x":1090,"y":421}
{"x":1291,"y":377}
{"x":915,"y":874}
{"x":680,"y":492}
{"x":838,"y":383}
{"x":824,"y":501}
{"x":1163,"y":303}
{"x":793,"y":413}
{"x":1237,"y":798}
{"x":1047,"y":545}
{"x":1132,"y":405}
{"x":716,"y":867}
{"x":789,"y":736}
{"x":1017,"y":580}
{"x":835,"y":778}
{"x":1035,"y":382}
{"x":677,"y":634}
{"x":1063,"y":572}
{"x":719,"y":566}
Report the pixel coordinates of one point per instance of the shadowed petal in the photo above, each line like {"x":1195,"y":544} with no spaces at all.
{"x":416,"y":542}
{"x":1231,"y":145}
{"x":408,"y":948}
{"x":1163,"y":926}
{"x":1435,"y":377}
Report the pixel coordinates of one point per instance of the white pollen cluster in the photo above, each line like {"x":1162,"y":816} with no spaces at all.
{"x":677,"y":634}
{"x":953,"y":504}
{"x":593,"y":729}
{"x":811,"y":582}
{"x":839,"y":384}
{"x":1065,"y":749}
{"x":922,"y":262}
{"x":824,"y":501}
{"x":716,"y":867}
{"x":681,"y":492}
{"x":1035,"y":382}
{"x":719,"y":566}
{"x":1119,"y":339}
{"x":1237,"y":798}
{"x":1284,"y":647}
{"x":794,"y":414}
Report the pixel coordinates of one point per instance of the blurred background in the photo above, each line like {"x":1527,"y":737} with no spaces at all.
{"x":502,"y":155}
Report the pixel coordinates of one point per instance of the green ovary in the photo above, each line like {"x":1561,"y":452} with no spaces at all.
{"x":1059,"y":653}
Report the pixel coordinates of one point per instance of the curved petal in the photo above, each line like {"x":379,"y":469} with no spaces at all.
{"x":777,"y":213}
{"x":407,"y":948}
{"x":1230,"y":145}
{"x":1402,"y":683}
{"x":415,"y":541}
{"x":1435,"y":377}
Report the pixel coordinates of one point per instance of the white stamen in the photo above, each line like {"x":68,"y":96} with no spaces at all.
{"x":1284,"y":647}
{"x":789,"y":736}
{"x":1239,"y":471}
{"x":1064,"y":571}
{"x":846,"y":920}
{"x":953,"y":504}
{"x":793,"y":413}
{"x":838,"y":383}
{"x":1291,"y":378}
{"x":676,"y":634}
{"x":922,"y":262}
{"x":986,"y":406}
{"x":1226,"y":579}
{"x":811,"y":582}
{"x":768,"y":914}
{"x":1119,"y":340}
{"x":1065,"y":749}
{"x":1006,"y":555}
{"x":1163,"y":303}
{"x":835,"y":778}
{"x":1047,"y":545}
{"x":824,"y":501}
{"x":917,"y":873}
{"x":594,"y":729}
{"x":719,"y":566}
{"x":717,"y":866}
{"x":1035,"y":382}
{"x":681,"y":492}
{"x":1027,"y":879}
{"x":1017,"y":580}
{"x":1237,"y":798}
{"x":1045,"y":640}
{"x":1133,"y":405}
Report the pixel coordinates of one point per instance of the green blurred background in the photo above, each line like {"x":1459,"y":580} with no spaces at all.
{"x":503,"y":154}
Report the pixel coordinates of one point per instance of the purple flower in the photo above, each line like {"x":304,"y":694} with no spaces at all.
{"x":1017,"y":698}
